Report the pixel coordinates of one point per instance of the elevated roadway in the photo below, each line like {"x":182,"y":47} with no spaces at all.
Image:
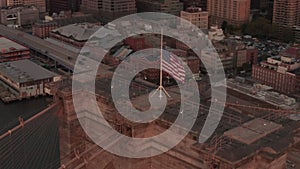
{"x":57,"y":53}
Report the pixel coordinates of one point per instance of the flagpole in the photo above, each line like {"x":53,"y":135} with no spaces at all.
{"x":161,"y":88}
{"x":161,"y":55}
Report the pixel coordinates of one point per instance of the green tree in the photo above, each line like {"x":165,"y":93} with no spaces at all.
{"x":224,"y":26}
{"x":260,"y":28}
{"x":263,"y":28}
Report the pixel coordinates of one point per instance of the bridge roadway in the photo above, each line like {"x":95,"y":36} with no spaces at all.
{"x":57,"y":53}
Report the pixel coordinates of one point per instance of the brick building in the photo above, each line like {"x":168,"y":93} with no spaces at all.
{"x":180,"y":45}
{"x":247,"y":55}
{"x":241,"y":58}
{"x":252,"y":55}
{"x":279,"y":72}
{"x":137,"y":43}
{"x":286,"y":13}
{"x":63,"y":5}
{"x":234,"y":12}
{"x":42,"y":29}
{"x":196,"y":16}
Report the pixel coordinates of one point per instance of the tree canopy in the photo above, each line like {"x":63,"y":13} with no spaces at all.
{"x":264,"y":29}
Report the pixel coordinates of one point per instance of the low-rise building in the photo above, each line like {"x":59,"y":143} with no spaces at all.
{"x":43,"y":28}
{"x":246,"y":55}
{"x":196,"y":16}
{"x":215,"y":33}
{"x":10,"y":50}
{"x":234,"y":54}
{"x":137,"y":43}
{"x":75,"y":34}
{"x":280,"y":72}
{"x":25,"y":79}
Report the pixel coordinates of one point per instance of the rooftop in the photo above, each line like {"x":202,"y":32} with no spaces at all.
{"x":292,"y":52}
{"x":252,"y":131}
{"x":79,"y":32}
{"x":194,"y":10}
{"x":22,"y":71}
{"x":7,"y":46}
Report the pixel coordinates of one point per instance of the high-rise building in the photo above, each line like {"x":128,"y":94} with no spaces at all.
{"x":196,"y":16}
{"x":166,"y":6}
{"x":63,"y":5}
{"x":109,"y":10}
{"x":40,"y":4}
{"x":286,"y":13}
{"x":3,"y":3}
{"x":19,"y":15}
{"x":14,"y":2}
{"x":259,"y":4}
{"x":234,"y":12}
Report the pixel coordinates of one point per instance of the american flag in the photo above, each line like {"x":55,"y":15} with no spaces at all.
{"x":173,"y":66}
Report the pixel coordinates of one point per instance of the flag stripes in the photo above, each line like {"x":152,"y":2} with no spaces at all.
{"x":173,"y":66}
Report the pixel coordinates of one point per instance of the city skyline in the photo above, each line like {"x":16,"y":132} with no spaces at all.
{"x":141,"y":84}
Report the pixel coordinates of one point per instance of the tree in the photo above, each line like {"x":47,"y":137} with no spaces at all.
{"x":282,"y":33}
{"x":260,"y":28}
{"x":224,"y":26}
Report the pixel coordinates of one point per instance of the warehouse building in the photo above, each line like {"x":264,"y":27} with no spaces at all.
{"x":10,"y":50}
{"x":25,"y":78}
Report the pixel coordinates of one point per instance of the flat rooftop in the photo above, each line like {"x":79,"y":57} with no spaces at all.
{"x":22,"y":71}
{"x":7,"y":46}
{"x":79,"y":32}
{"x":252,"y":131}
{"x":242,"y":135}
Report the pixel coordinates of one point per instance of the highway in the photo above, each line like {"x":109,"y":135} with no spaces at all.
{"x":57,"y":53}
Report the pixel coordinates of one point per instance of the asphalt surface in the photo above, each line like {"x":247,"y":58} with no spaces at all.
{"x":63,"y":56}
